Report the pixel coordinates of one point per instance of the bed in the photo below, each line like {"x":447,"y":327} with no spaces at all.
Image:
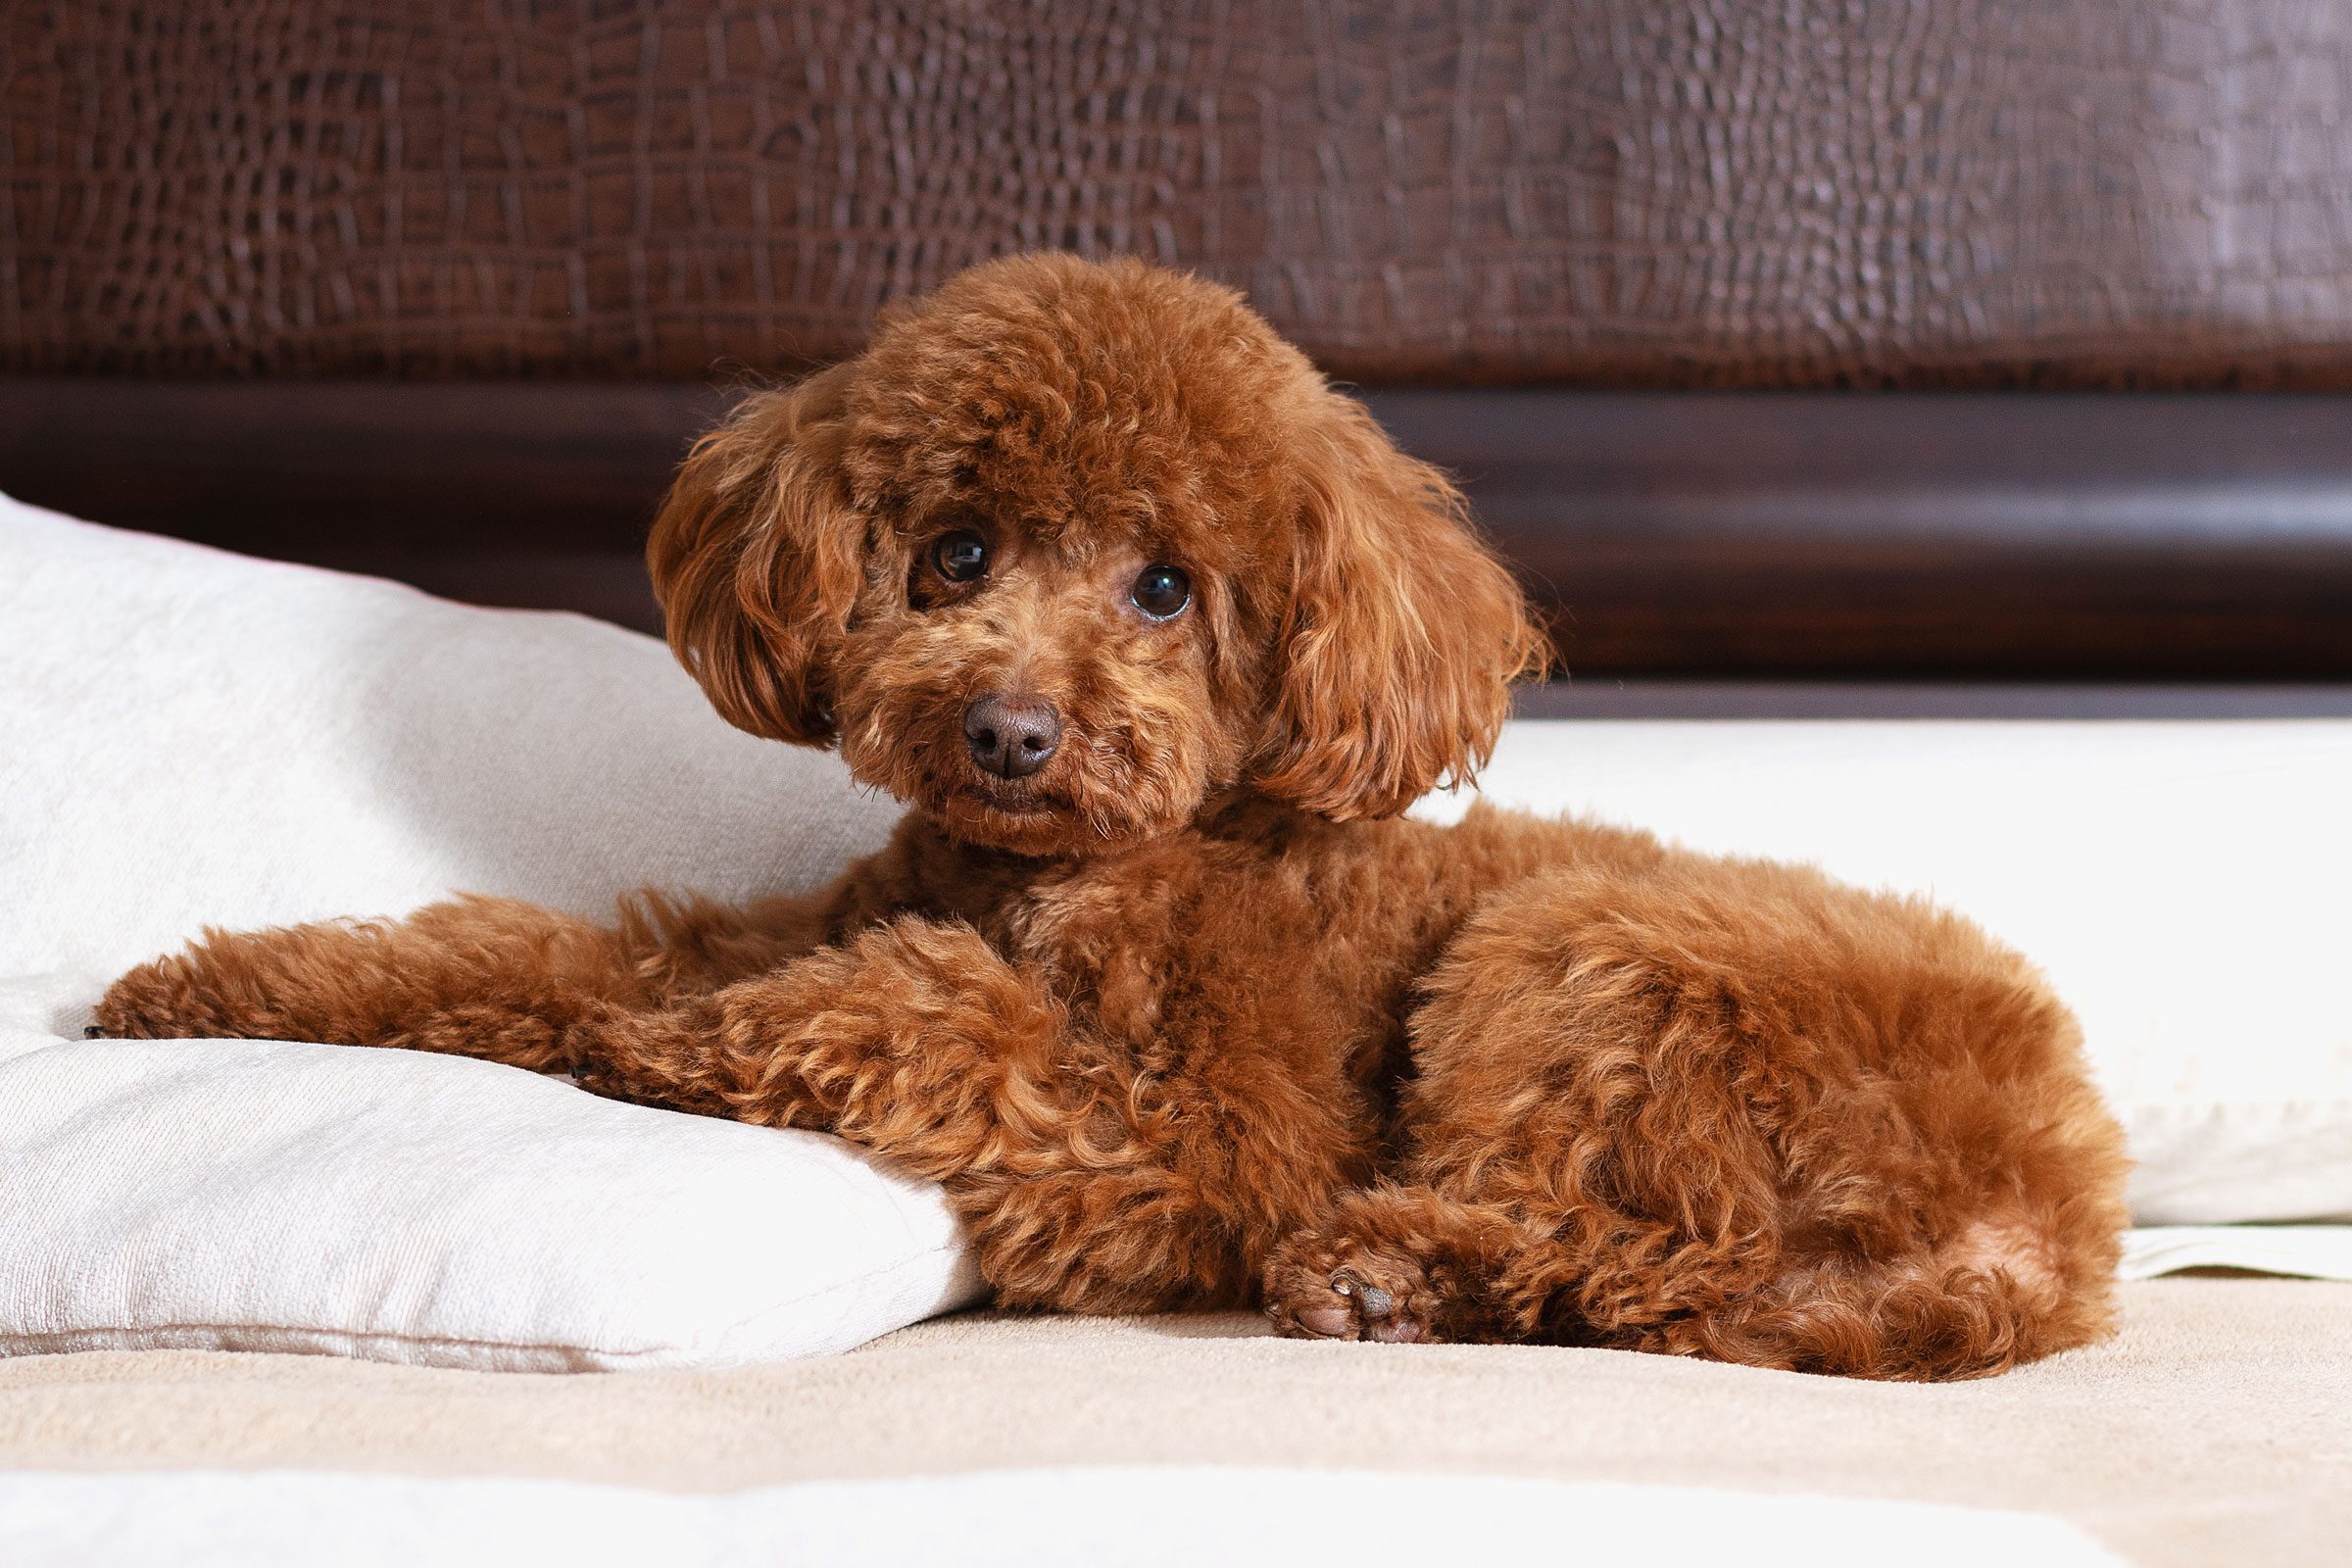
{"x":236,"y":1321}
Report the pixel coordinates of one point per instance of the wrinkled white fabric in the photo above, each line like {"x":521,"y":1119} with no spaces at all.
{"x":190,"y":738}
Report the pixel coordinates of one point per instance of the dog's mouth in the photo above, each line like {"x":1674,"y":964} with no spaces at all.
{"x":1019,"y":815}
{"x":1016,"y":797}
{"x":1013,"y":800}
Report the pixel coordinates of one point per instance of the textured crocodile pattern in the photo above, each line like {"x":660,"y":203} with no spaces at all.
{"x":1905,"y":192}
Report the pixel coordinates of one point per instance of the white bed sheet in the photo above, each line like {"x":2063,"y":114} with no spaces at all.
{"x":1133,"y":1517}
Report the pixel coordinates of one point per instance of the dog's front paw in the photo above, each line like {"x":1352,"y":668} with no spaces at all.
{"x":608,"y":1050}
{"x":166,"y":999}
{"x":1322,"y":1290}
{"x":591,"y":1046}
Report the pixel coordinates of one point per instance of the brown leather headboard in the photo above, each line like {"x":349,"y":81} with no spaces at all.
{"x":1591,"y":192}
{"x":440,"y":288}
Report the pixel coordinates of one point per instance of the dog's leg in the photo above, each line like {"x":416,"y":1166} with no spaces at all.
{"x":1086,"y":1184}
{"x":1742,"y":1112}
{"x":481,"y":977}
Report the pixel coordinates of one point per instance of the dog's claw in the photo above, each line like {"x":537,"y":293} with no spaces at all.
{"x":1359,"y":1311}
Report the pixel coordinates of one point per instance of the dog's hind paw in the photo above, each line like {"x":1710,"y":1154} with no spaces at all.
{"x":1312,"y":1294}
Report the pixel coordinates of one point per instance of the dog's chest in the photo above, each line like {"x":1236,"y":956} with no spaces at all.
{"x":1108,"y":942}
{"x":1207,"y":946}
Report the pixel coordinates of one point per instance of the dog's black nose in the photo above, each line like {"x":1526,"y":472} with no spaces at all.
{"x":1010,"y":737}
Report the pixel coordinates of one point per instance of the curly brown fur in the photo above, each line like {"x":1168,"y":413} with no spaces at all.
{"x":1185,"y":1014}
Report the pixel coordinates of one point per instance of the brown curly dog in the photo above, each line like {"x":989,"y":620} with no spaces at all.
{"x":1156,"y":635}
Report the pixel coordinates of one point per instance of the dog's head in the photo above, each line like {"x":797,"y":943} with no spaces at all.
{"x":1073,"y":548}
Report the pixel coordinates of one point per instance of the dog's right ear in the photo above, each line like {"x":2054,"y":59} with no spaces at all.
{"x":758,"y":558}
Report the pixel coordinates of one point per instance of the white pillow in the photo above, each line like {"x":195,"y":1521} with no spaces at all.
{"x":191,"y":738}
{"x":254,"y":1195}
{"x":2183,"y":885}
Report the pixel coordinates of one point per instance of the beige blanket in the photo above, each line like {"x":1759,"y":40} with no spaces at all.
{"x":2215,"y":1427}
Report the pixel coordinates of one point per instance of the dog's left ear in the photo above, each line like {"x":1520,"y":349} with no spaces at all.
{"x":1402,"y":636}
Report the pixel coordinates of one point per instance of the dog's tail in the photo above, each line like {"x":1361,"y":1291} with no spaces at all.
{"x":2001,"y":1293}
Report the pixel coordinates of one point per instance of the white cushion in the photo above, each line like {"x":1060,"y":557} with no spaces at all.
{"x":2182,"y":884}
{"x":190,"y":738}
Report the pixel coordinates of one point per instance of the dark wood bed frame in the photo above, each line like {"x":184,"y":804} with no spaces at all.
{"x":1787,"y":539}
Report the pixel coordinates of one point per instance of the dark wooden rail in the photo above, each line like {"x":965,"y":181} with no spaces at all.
{"x":1997,"y":536}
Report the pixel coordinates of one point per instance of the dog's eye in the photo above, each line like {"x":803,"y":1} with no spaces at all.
{"x":1161,"y":592}
{"x":960,"y":557}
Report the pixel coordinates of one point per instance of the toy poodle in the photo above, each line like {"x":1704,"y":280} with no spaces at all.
{"x":1156,"y":635}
